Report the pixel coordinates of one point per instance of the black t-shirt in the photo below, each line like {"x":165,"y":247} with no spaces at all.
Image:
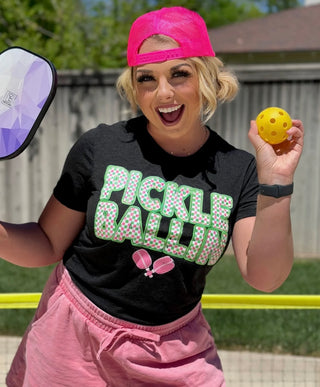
{"x":155,"y":223}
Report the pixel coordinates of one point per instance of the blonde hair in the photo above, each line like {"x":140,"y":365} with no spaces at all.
{"x":216,"y":84}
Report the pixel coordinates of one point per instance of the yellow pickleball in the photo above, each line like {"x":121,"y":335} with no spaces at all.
{"x":273,"y":124}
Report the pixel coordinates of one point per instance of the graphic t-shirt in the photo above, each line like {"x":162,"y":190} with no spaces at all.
{"x":155,"y":223}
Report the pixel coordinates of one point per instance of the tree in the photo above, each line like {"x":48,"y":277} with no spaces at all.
{"x":52,"y":28}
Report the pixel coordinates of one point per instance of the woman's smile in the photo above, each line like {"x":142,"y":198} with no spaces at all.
{"x":171,"y":115}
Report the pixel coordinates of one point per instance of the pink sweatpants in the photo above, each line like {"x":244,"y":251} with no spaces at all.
{"x":71,"y":342}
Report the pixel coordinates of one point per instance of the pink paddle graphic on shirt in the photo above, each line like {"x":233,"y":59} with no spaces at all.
{"x":143,"y":261}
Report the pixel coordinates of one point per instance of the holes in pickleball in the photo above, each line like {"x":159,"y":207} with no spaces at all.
{"x":273,"y":133}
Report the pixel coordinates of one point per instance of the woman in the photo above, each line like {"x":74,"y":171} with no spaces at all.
{"x":142,"y":211}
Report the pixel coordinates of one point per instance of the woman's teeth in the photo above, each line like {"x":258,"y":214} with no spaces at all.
{"x":169,"y":109}
{"x":171,"y":115}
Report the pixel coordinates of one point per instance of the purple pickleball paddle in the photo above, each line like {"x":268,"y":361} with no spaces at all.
{"x":27,"y":88}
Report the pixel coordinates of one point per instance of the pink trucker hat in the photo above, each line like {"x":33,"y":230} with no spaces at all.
{"x":186,"y":27}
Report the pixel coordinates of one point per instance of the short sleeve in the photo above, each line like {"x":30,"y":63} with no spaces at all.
{"x":247,"y":205}
{"x":73,"y":187}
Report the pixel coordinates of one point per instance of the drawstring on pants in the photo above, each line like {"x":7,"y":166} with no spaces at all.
{"x":111,"y":340}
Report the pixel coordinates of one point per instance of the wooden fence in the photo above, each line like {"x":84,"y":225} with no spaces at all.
{"x":85,"y":99}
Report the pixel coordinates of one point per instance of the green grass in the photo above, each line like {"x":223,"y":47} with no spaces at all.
{"x":14,"y":279}
{"x":282,"y":331}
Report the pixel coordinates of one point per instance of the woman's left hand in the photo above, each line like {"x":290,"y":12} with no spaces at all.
{"x":276,"y":164}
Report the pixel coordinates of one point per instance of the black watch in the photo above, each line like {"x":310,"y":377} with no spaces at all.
{"x":276,"y":191}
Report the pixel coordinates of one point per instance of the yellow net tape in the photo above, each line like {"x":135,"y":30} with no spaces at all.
{"x":19,"y":300}
{"x":209,"y":301}
{"x":260,"y":301}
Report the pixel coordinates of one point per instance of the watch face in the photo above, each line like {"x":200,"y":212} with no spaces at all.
{"x":27,"y":87}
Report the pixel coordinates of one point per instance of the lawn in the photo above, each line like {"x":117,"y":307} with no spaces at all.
{"x":282,"y":331}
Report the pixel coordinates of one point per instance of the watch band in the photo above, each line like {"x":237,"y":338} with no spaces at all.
{"x":276,"y":191}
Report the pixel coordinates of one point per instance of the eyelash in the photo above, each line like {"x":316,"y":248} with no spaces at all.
{"x":176,"y":74}
{"x":145,"y":78}
{"x":181,"y":73}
